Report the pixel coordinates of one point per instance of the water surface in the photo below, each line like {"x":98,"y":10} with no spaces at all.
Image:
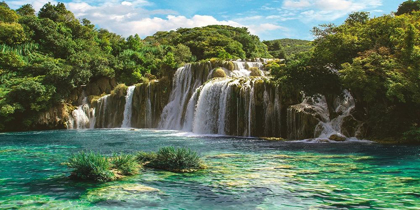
{"x":242,"y":173}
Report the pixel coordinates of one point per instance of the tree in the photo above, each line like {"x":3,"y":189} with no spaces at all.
{"x":134,"y":42}
{"x":11,"y":33}
{"x":56,"y":13}
{"x":357,"y":18}
{"x":7,"y":15}
{"x":3,"y":4}
{"x":26,"y":10}
{"x":408,"y":7}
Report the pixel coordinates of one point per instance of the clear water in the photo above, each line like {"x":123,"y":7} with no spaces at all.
{"x":242,"y":173}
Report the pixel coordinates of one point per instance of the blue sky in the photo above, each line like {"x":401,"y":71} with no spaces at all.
{"x":269,"y":19}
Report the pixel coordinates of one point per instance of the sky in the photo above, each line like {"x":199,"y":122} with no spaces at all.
{"x":268,"y":19}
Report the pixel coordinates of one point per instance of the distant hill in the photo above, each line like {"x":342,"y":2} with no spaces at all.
{"x":285,"y":48}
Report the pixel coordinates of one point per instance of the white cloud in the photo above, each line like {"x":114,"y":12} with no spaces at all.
{"x":149,"y":26}
{"x":35,"y":4}
{"x":293,"y":4}
{"x":331,"y":5}
{"x":128,"y":17}
{"x":328,"y":10}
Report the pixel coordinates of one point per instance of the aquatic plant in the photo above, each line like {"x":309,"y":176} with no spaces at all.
{"x":176,"y":159}
{"x":144,"y":157}
{"x":126,"y":164}
{"x":90,"y":166}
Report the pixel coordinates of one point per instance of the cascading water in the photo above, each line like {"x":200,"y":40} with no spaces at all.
{"x":233,"y":105}
{"x":184,"y":86}
{"x":80,"y":117}
{"x":224,"y":106}
{"x":128,"y":107}
{"x":343,"y":107}
{"x":101,"y":111}
{"x":314,"y":110}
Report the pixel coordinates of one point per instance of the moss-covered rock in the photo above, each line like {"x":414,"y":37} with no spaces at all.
{"x":337,"y":137}
{"x":54,"y":118}
{"x":219,"y":72}
{"x":255,"y":71}
{"x":230,"y":66}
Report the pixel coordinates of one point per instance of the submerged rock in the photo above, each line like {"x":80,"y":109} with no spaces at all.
{"x":337,"y":137}
{"x":123,"y":192}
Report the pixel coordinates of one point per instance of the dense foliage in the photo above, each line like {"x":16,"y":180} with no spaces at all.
{"x":217,"y":41}
{"x":44,"y":57}
{"x":375,"y":59}
{"x":287,"y":48}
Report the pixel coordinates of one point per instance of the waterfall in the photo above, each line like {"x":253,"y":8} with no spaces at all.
{"x":80,"y":117}
{"x":225,"y":106}
{"x":101,"y":112}
{"x":183,"y":87}
{"x":128,"y":107}
{"x":149,"y":111}
{"x":93,"y":118}
{"x":313,"y":113}
{"x":343,"y":107}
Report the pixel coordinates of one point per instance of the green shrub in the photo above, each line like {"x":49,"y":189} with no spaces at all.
{"x":119,"y":90}
{"x":144,"y":157}
{"x":176,"y":159}
{"x":90,"y":166}
{"x":125,"y":164}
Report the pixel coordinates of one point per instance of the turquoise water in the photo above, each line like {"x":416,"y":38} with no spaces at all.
{"x":242,"y":173}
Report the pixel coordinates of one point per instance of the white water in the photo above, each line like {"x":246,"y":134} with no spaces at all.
{"x":207,"y":109}
{"x":343,"y":106}
{"x":149,"y":111}
{"x":183,"y":87}
{"x":128,"y":107}
{"x":102,"y":111}
{"x":80,"y":117}
{"x":327,"y":127}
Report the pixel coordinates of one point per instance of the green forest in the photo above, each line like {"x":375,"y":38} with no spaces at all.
{"x":45,"y":56}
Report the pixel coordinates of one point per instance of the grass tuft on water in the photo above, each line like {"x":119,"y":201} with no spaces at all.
{"x":175,"y":159}
{"x":96,"y":167}
{"x":145,"y":157}
{"x":126,"y":164}
{"x":90,"y":166}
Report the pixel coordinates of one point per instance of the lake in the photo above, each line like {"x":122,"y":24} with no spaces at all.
{"x":242,"y":173}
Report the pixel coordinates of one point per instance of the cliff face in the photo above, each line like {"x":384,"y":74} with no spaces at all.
{"x":55,"y":118}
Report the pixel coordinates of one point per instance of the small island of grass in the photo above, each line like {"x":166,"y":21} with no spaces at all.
{"x":96,"y":167}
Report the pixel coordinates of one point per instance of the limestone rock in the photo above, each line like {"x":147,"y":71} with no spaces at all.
{"x":55,"y":118}
{"x":337,"y":137}
{"x":301,"y":122}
